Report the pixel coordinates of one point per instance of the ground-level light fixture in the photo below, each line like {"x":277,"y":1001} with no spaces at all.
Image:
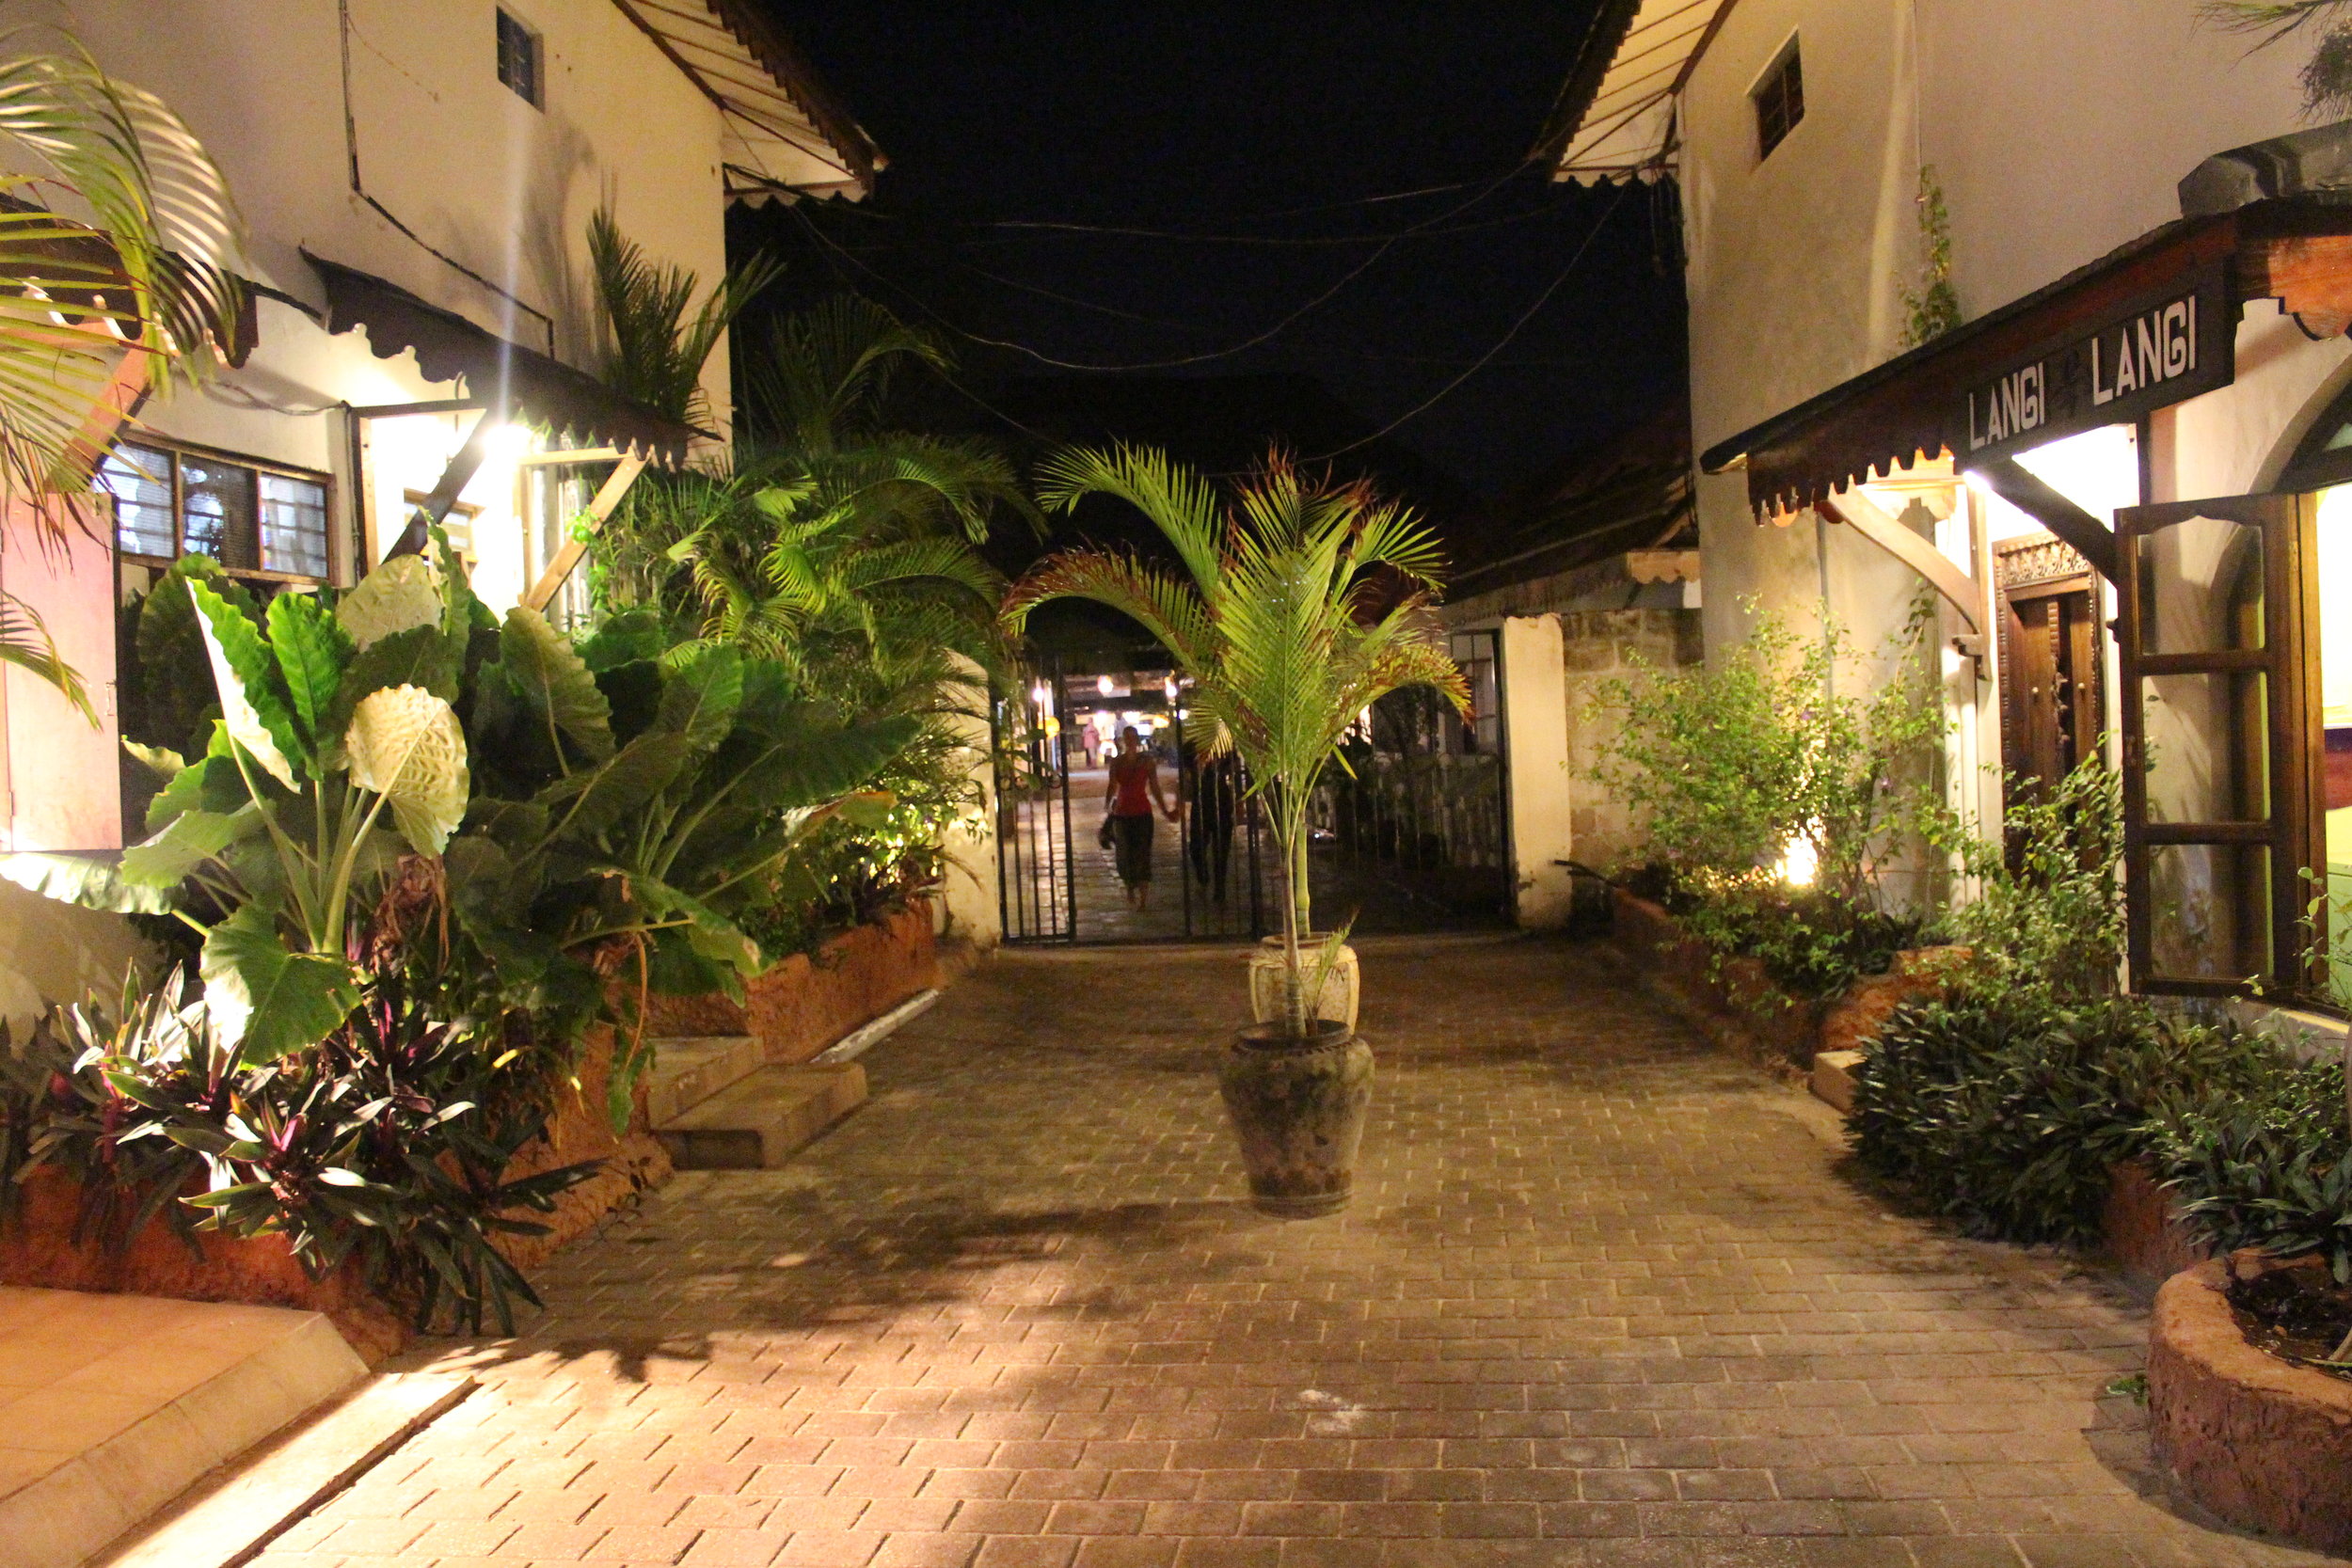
{"x":1800,"y":863}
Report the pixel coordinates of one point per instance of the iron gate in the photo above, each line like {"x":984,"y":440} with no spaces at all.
{"x":1407,"y":831}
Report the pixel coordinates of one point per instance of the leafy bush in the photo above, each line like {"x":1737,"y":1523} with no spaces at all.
{"x":388,"y":1142}
{"x":1731,"y":764}
{"x":2266,"y":1161}
{"x":2007,"y":1111}
{"x":1810,"y":942}
{"x":2049,"y":911}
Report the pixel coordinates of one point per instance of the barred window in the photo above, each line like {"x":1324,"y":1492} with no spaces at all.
{"x":1779,"y":101}
{"x":168,"y":503}
{"x":519,"y":59}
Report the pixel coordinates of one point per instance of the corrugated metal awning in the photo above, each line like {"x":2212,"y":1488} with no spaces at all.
{"x":784,"y":133}
{"x":1615,"y":118}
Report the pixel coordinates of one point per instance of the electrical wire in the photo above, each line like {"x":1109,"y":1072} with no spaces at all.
{"x":1504,"y":341}
{"x":1267,"y":336}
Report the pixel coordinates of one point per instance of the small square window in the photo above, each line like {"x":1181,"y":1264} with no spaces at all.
{"x":520,"y":59}
{"x":1779,"y":100}
{"x":251,"y":520}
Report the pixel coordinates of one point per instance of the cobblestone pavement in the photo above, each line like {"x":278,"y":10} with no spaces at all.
{"x":1604,"y":1299}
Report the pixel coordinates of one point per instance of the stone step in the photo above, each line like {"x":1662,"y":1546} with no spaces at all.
{"x":690,"y":1068}
{"x":1832,"y":1077}
{"x":112,"y":1405}
{"x":759,"y":1122}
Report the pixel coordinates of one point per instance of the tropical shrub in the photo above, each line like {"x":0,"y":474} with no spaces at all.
{"x":2047,"y":913}
{"x":1812,"y":942}
{"x":2265,"y":1160}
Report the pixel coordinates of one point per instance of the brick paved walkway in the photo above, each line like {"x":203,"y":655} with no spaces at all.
{"x":1603,"y":1300}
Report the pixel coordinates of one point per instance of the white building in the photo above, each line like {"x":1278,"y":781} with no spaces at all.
{"x":2149,"y":318}
{"x":417,"y":178}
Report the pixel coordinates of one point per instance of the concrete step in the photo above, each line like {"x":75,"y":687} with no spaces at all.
{"x":112,"y":1405}
{"x":759,"y":1122}
{"x":1832,"y":1077}
{"x":690,"y":1068}
{"x":230,"y":1515}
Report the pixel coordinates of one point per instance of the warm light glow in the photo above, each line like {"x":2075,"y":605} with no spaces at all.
{"x":506,"y":442}
{"x":1041,"y":695}
{"x":1168,"y":685}
{"x":1800,"y":863}
{"x":1183,"y":713}
{"x":1106,"y":685}
{"x":2098,"y":471}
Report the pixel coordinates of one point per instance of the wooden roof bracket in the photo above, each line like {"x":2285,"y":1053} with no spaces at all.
{"x":2091,"y":538}
{"x":1872,"y":521}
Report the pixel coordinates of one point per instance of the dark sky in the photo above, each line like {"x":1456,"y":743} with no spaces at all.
{"x":1211,"y":120}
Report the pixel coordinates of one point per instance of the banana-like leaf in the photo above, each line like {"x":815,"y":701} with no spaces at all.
{"x":605,"y":794}
{"x":94,"y":884}
{"x":264,"y":1000}
{"x":405,"y":745}
{"x":192,"y":837}
{"x":164,"y":763}
{"x":821,"y":766}
{"x":714,"y":937}
{"x":700,"y":699}
{"x":399,"y":594}
{"x":312,"y":651}
{"x":242,"y":671}
{"x":555,"y":681}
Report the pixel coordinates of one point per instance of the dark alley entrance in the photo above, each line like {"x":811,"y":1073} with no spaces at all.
{"x":1409,"y":825}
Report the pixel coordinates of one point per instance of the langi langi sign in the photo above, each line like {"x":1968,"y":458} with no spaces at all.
{"x":2148,"y":355}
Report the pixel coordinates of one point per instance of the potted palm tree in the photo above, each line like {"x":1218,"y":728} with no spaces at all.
{"x":1302,"y":604}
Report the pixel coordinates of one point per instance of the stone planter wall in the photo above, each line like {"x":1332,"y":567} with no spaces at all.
{"x":1749,"y":1016}
{"x":2263,"y":1443}
{"x":2141,"y":1230}
{"x":803,"y":1006}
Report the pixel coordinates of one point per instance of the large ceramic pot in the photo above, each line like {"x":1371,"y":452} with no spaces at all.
{"x":1341,"y":989}
{"x":1299,"y":1107}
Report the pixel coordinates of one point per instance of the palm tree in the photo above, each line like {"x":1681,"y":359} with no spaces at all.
{"x":655,"y":350}
{"x":118,"y":243}
{"x":1302,"y":603}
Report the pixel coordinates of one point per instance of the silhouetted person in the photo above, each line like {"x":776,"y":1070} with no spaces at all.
{"x":1215,"y":807}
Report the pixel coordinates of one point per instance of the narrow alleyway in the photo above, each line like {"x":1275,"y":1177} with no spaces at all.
{"x":1603,"y":1300}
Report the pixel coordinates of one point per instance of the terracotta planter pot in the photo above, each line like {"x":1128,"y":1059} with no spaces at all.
{"x":2260,"y":1442}
{"x":1342,"y":989}
{"x":1299,"y":1107}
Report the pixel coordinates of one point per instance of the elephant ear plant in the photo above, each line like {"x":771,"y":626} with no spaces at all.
{"x":1300,"y":604}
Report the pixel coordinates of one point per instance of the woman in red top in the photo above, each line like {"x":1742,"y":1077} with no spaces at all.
{"x":1133,"y":787}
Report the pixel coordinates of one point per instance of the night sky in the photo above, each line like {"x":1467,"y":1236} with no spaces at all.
{"x":1226,"y":120}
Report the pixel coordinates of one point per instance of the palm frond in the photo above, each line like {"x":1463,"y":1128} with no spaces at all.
{"x":1175,"y":499}
{"x":818,"y":379}
{"x":136,"y":255}
{"x":657,"y":340}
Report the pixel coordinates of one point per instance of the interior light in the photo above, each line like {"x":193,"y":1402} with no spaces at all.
{"x":1106,"y":686}
{"x":1800,"y":863}
{"x":507,"y":441}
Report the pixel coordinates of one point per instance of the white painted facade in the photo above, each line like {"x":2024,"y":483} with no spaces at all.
{"x":2057,"y":133}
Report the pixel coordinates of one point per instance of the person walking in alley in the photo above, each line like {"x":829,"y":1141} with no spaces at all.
{"x":1132,"y":791}
{"x":1216,"y":802}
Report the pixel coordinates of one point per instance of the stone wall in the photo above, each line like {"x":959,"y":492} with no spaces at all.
{"x":1599,"y":646}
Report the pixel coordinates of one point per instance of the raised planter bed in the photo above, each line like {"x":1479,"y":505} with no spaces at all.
{"x":1745,"y":1013}
{"x":2263,"y":1443}
{"x":37,"y":1249}
{"x":804,"y":1005}
{"x":2140,"y":1228}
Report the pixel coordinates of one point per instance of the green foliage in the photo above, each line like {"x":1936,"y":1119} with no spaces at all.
{"x":1934,"y":307}
{"x":1784,"y":740}
{"x":2049,"y":911}
{"x":1810,"y":942}
{"x":656,"y":339}
{"x":388,"y":1142}
{"x":1283,"y":621}
{"x":2007,"y":1111}
{"x":2265,"y":1161}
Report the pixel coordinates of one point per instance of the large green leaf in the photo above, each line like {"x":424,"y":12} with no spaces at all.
{"x":605,"y":794}
{"x":405,"y":744}
{"x":313,"y":652}
{"x":554,"y":681}
{"x":420,"y":656}
{"x":713,"y":936}
{"x":192,"y":837}
{"x":94,"y":884}
{"x":209,"y":784}
{"x":245,"y":675}
{"x":399,"y":594}
{"x":700,"y":699}
{"x":823,"y":765}
{"x":264,"y":1000}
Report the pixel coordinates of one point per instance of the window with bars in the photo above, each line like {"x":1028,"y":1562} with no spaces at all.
{"x":519,"y":59}
{"x":254,"y":520}
{"x":1779,"y":100}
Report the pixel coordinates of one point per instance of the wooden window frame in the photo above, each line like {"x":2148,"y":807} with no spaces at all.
{"x":534,"y":51}
{"x":178,"y":450}
{"x":1770,"y":98}
{"x":2288,"y":661}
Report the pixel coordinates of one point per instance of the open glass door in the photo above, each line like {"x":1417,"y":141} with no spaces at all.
{"x":2220,"y":764}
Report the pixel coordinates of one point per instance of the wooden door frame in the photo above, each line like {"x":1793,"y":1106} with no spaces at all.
{"x":2288,"y":660}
